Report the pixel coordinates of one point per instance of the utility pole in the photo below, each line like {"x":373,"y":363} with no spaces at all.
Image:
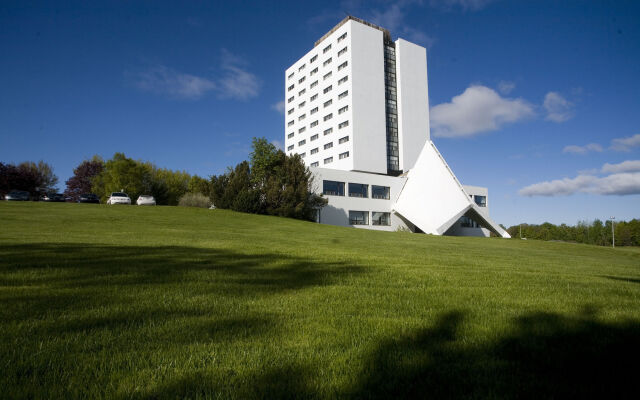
{"x":613,"y":232}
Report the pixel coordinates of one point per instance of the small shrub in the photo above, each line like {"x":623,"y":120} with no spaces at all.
{"x":194,"y":200}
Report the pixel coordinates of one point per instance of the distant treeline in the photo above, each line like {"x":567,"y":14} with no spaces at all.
{"x":627,"y":233}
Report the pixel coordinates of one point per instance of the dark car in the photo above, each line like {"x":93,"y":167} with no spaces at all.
{"x":17,"y":195}
{"x":89,"y":198}
{"x":54,"y":197}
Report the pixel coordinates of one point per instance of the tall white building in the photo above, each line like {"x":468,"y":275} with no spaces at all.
{"x":357,"y":112}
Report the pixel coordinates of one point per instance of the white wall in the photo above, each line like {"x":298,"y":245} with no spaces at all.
{"x":413,"y":101}
{"x":369,"y":120}
{"x":337,"y":211}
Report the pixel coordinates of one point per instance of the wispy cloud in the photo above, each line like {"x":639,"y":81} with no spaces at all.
{"x":625,"y":166}
{"x":279,"y":145}
{"x":557,"y":107}
{"x":279,"y":107}
{"x":506,"y":87}
{"x":626,"y":143}
{"x":478,"y":109}
{"x":164,"y":80}
{"x":623,"y":179}
{"x":575,"y":149}
{"x":465,"y":5}
{"x":393,"y":17}
{"x":236,"y":81}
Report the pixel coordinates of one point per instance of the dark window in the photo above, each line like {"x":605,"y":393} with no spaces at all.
{"x":359,"y":217}
{"x":333,"y":188}
{"x":379,"y":192}
{"x":380,"y":218}
{"x":358,"y":190}
{"x":480,"y":200}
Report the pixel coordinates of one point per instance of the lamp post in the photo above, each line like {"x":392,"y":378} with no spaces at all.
{"x":613,"y":232}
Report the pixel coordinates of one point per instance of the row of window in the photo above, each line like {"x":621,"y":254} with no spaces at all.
{"x":315,"y":70}
{"x":335,"y":188}
{"x":324,"y":51}
{"x":327,"y":146}
{"x":362,"y":218}
{"x":315,"y":109}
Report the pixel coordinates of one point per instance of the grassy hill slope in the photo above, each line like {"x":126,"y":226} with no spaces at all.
{"x":104,"y":302}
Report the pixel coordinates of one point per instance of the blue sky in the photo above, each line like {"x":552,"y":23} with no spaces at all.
{"x":537,"y":100}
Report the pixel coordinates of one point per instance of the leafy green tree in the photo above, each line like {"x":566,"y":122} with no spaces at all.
{"x":83,"y":174}
{"x":122,"y":174}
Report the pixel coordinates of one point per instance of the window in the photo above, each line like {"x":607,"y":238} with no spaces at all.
{"x":290,"y":123}
{"x":333,"y":188}
{"x":302,"y":143}
{"x":326,"y":49}
{"x":303,"y":116}
{"x":314,"y":151}
{"x":343,"y":94}
{"x":343,"y":65}
{"x":341,"y":52}
{"x":380,"y":218}
{"x":314,"y":123}
{"x":327,"y":62}
{"x":313,"y":71}
{"x":328,"y":145}
{"x":327,"y":103}
{"x":313,"y":110}
{"x":481,"y":201}
{"x":358,"y":217}
{"x":344,"y":155}
{"x":315,"y":96}
{"x":343,"y":140}
{"x":289,"y":136}
{"x":290,"y":99}
{"x":290,"y":148}
{"x":315,"y":164}
{"x":328,"y":160}
{"x":301,"y":104}
{"x":302,"y":79}
{"x":328,"y":131}
{"x":303,"y":155}
{"x":342,"y":37}
{"x":302,"y":67}
{"x":327,"y":89}
{"x":290,"y":88}
{"x":466,"y":222}
{"x":314,"y":84}
{"x":379,"y":192}
{"x":290,"y":76}
{"x":314,"y":137}
{"x":302,"y":129}
{"x":314,"y":58}
{"x":343,"y":124}
{"x":326,"y":76}
{"x":343,"y":80}
{"x":328,"y":117}
{"x":358,"y":190}
{"x":290,"y":112}
{"x":343,"y":109}
{"x":300,"y":93}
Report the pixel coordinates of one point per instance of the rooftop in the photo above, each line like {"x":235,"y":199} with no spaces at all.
{"x":385,"y":32}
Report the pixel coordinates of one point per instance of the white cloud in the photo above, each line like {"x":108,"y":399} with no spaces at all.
{"x":477,"y":109}
{"x":575,"y":149}
{"x":625,"y":144}
{"x":625,"y":166}
{"x":558,"y":108}
{"x":624,"y":179}
{"x":164,"y":80}
{"x":393,"y":19}
{"x":506,"y":87}
{"x":237,"y":82}
{"x":279,"y":106}
{"x":278,"y":144}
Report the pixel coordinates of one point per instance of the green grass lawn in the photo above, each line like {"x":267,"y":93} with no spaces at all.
{"x":166,"y":302}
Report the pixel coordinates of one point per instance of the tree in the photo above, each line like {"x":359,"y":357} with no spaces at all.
{"x":83,"y":174}
{"x":121,"y":173}
{"x":29,"y":176}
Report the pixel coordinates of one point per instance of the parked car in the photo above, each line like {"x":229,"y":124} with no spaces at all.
{"x":119,"y":198}
{"x":146,"y":200}
{"x":17,"y":195}
{"x":88,"y":198}
{"x":55,"y":197}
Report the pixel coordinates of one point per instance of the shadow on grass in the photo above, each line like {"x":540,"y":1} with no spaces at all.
{"x":546,"y":356}
{"x":623,"y":279}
